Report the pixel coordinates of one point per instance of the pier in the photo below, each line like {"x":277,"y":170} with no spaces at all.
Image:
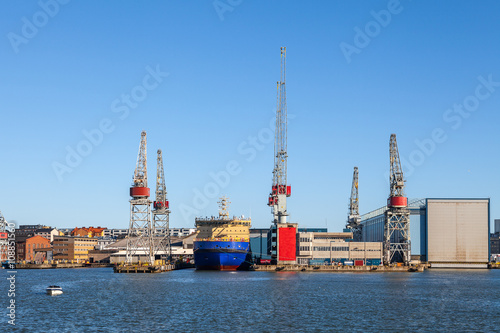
{"x":138,"y":268}
{"x":50,"y":266}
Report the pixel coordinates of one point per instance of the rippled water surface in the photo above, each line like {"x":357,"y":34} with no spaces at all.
{"x":97,"y":300}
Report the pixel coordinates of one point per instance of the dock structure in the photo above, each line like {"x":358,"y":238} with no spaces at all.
{"x":140,"y":268}
{"x":143,"y":269}
{"x":61,"y":265}
{"x":339,"y":269}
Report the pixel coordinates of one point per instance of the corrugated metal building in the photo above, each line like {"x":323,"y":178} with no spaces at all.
{"x":443,"y":232}
{"x":258,"y":243}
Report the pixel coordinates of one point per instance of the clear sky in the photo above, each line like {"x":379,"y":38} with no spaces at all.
{"x":80,"y":80}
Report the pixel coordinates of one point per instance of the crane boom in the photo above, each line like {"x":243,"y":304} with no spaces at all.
{"x":280,"y":142}
{"x":396,"y":175}
{"x":354,"y":204}
{"x":141,"y":171}
{"x":280,"y":190}
{"x":161,"y":190}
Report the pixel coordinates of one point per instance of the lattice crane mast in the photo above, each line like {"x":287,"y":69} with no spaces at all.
{"x":161,"y":213}
{"x":397,"y":216}
{"x":353,"y":218}
{"x":139,"y":239}
{"x":280,"y":190}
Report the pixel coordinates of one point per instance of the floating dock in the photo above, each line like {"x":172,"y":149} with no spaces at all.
{"x":143,"y":269}
{"x":50,"y":266}
{"x":150,"y":269}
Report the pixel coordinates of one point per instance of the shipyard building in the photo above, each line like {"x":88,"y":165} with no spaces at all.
{"x":451,"y":233}
{"x":317,"y":248}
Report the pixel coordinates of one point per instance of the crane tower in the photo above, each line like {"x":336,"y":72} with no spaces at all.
{"x":353,"y":218}
{"x":397,"y":216}
{"x":139,"y":239}
{"x":161,"y":213}
{"x":280,"y":190}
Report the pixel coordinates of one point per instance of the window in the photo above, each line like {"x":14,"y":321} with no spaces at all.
{"x":321,"y":248}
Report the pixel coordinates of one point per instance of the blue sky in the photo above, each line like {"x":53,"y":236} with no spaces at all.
{"x":200,"y":78}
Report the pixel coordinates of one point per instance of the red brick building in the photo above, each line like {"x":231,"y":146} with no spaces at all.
{"x":32,"y":243}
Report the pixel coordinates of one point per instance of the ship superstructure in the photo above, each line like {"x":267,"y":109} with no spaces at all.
{"x":222,"y":243}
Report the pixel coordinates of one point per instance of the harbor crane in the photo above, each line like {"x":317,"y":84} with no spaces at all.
{"x":161,"y":213}
{"x":280,"y":190}
{"x":397,"y":246}
{"x":140,"y":233}
{"x":353,"y":218}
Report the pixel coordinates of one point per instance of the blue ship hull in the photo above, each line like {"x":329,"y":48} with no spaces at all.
{"x":221,"y":255}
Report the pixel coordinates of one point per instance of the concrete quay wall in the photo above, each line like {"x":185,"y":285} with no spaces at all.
{"x":49,"y":266}
{"x":339,"y":269}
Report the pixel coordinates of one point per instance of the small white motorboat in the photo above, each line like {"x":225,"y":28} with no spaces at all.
{"x":54,"y":290}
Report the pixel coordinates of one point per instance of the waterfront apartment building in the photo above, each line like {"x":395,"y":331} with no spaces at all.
{"x":24,"y":233}
{"x":73,"y":248}
{"x":88,"y":232}
{"x":47,"y":233}
{"x":174,"y":232}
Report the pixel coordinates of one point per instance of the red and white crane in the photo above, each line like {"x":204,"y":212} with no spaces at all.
{"x":280,"y":190}
{"x":397,"y":246}
{"x":139,"y":241}
{"x":161,"y":213}
{"x":281,"y":235}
